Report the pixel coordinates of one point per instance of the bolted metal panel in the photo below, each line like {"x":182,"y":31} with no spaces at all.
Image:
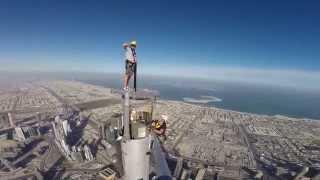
{"x":135,"y":158}
{"x":160,"y":162}
{"x":126,"y":114}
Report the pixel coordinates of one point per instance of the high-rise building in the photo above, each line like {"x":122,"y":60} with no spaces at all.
{"x":4,"y":120}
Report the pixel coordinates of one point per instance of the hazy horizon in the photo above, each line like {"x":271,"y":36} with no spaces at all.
{"x":292,"y":79}
{"x":265,"y":42}
{"x":238,"y":96}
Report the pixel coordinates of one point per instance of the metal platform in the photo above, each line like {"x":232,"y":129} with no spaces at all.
{"x":140,"y":94}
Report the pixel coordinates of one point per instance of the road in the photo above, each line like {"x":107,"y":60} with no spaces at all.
{"x":52,"y":156}
{"x":254,"y":154}
{"x":60,"y":99}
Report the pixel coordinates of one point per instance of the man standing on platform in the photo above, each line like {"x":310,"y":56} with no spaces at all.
{"x":130,"y":62}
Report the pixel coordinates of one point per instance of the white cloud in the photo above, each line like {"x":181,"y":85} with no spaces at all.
{"x":49,"y":64}
{"x":292,"y":78}
{"x":279,"y":77}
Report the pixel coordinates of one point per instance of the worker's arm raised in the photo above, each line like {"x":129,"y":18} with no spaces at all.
{"x":159,"y":132}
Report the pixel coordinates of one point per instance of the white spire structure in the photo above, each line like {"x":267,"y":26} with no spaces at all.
{"x":135,"y":151}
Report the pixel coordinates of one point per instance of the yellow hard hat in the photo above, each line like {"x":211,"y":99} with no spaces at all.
{"x":133,"y":43}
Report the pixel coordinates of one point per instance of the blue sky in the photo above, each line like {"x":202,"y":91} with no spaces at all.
{"x":203,"y":38}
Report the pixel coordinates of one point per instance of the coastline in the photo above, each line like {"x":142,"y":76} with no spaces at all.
{"x":277,"y":116}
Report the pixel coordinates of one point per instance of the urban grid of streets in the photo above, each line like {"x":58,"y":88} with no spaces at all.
{"x":228,"y":143}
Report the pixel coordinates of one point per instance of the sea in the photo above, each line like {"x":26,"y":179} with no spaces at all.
{"x":250,"y":98}
{"x":243,"y":97}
